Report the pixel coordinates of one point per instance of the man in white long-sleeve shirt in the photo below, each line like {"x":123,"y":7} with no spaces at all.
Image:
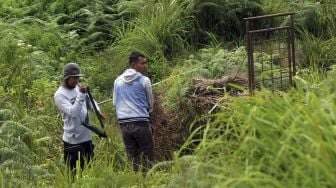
{"x":72,"y":100}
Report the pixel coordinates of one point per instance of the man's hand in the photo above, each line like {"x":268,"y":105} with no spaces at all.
{"x":84,"y":88}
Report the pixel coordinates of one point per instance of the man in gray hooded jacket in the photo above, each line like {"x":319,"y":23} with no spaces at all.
{"x":133,"y":100}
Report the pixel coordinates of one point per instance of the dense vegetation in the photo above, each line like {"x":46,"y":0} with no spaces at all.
{"x":270,"y":139}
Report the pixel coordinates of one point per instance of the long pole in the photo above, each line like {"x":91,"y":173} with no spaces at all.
{"x":95,"y":109}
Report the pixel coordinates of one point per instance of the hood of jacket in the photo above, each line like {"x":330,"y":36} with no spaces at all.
{"x":130,"y":75}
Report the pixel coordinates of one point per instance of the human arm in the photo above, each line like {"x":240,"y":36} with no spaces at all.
{"x":65,"y":106}
{"x":149,"y":94}
{"x":114,"y":93}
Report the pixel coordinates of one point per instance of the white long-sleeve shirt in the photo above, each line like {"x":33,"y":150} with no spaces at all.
{"x":72,"y":105}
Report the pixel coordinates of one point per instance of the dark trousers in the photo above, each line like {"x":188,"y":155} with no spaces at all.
{"x":74,"y":152}
{"x":138,"y":140}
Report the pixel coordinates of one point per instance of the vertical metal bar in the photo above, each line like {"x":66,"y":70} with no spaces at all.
{"x":280,"y":64}
{"x":252,"y":37}
{"x":293,"y":44}
{"x":289,"y":39}
{"x":272,"y":77}
{"x":262,"y":62}
{"x":248,"y":38}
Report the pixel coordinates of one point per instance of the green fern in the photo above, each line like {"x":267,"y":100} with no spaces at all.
{"x":30,"y":20}
{"x":11,"y":154}
{"x":5,"y":114}
{"x":14,"y":128}
{"x":3,"y":143}
{"x":19,"y":144}
{"x":224,"y":18}
{"x":62,"y":19}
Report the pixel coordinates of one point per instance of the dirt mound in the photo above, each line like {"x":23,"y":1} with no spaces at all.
{"x":165,"y":127}
{"x":172,"y":128}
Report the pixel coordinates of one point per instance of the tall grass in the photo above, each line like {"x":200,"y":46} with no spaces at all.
{"x":318,"y":51}
{"x":223,"y":18}
{"x":268,"y":140}
{"x":159,"y":30}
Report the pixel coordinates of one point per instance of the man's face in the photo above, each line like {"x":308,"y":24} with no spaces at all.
{"x":140,"y":65}
{"x":72,"y":81}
